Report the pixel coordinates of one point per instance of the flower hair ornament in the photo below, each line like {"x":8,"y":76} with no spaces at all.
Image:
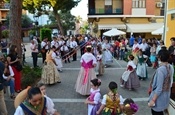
{"x":99,"y":81}
{"x":130,"y":109}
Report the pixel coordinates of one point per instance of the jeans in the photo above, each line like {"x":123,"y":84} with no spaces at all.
{"x":3,"y":109}
{"x":11,"y":83}
{"x":35,"y":58}
{"x":122,"y":54}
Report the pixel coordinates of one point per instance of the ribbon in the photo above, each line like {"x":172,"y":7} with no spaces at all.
{"x":86,"y":76}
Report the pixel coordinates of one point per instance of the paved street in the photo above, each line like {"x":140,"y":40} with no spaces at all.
{"x":68,"y":102}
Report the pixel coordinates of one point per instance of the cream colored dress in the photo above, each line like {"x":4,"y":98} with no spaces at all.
{"x":50,"y":74}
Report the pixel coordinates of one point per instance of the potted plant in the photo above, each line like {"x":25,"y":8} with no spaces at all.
{"x":30,"y":76}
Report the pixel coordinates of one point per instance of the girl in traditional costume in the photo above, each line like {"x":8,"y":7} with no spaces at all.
{"x":87,"y":72}
{"x":112,"y":102}
{"x":100,"y":66}
{"x":35,"y":104}
{"x":129,"y":108}
{"x":93,"y":100}
{"x":50,"y":74}
{"x":107,"y":56}
{"x":129,"y":78}
{"x":141,"y":65}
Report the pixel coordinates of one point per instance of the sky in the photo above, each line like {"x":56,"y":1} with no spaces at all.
{"x":81,"y":9}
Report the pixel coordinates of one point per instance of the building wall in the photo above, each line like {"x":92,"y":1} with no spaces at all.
{"x":99,"y":4}
{"x":110,"y":21}
{"x":127,"y":6}
{"x":117,"y":4}
{"x":170,"y":22}
{"x":150,"y":7}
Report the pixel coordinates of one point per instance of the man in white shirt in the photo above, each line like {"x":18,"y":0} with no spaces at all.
{"x":73,"y":46}
{"x":143,"y":46}
{"x":44,"y":48}
{"x":54,"y":42}
{"x":34,"y":50}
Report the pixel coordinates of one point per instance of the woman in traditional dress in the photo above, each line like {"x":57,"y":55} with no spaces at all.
{"x":141,"y":66}
{"x":129,"y":78}
{"x":50,"y":74}
{"x":93,"y":100}
{"x":87,"y":72}
{"x":36,"y":104}
{"x":58,"y":60}
{"x":107,"y":56}
{"x":14,"y":61}
{"x":112,"y":102}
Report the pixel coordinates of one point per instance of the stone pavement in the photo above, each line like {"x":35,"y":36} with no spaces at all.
{"x":68,"y":102}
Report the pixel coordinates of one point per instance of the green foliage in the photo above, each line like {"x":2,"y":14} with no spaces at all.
{"x":26,"y":21}
{"x":67,"y":20}
{"x":45,"y":33}
{"x":30,"y":76}
{"x":5,"y":33}
{"x":32,"y":32}
{"x":126,"y":55}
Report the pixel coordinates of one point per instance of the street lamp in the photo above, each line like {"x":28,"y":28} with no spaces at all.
{"x":35,"y":23}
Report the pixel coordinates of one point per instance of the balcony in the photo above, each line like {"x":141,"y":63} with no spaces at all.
{"x":103,"y":11}
{"x":5,"y":6}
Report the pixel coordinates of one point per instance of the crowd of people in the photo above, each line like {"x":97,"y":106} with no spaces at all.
{"x":96,"y":54}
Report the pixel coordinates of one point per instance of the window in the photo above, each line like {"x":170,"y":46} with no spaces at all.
{"x":138,"y":3}
{"x":108,"y":2}
{"x":173,"y":16}
{"x":162,"y":9}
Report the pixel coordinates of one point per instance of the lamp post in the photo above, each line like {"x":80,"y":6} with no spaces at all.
{"x":35,"y":24}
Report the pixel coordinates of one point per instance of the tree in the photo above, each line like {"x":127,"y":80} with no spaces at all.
{"x":26,"y":22}
{"x":67,"y":20}
{"x":15,"y":23}
{"x":43,"y":6}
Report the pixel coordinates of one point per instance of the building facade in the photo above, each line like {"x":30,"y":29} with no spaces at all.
{"x":138,"y":17}
{"x":4,"y":9}
{"x":169,"y":30}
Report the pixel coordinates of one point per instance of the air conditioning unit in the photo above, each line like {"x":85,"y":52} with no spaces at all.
{"x":159,"y":5}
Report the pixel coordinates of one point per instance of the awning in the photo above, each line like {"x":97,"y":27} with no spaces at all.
{"x":158,"y":31}
{"x":110,"y":26}
{"x":143,"y":28}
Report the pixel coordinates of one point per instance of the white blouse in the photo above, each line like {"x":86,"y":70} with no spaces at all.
{"x":11,"y":73}
{"x":49,"y":106}
{"x":88,"y":57}
{"x":105,"y":96}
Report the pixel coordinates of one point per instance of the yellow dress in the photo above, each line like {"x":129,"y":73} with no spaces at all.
{"x":112,"y":107}
{"x":50,"y":74}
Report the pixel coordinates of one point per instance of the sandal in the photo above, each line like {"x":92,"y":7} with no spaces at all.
{"x":12,"y":96}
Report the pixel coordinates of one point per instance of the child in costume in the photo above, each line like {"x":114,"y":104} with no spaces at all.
{"x":141,"y":65}
{"x":129,"y":108}
{"x":93,"y":100}
{"x":129,"y":78}
{"x":112,"y":102}
{"x":100,"y":66}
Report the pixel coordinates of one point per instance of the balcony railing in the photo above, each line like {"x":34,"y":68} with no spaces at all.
{"x":5,"y":6}
{"x":103,"y":11}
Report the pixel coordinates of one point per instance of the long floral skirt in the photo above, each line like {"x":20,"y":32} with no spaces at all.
{"x":50,"y":74}
{"x":81,"y":86}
